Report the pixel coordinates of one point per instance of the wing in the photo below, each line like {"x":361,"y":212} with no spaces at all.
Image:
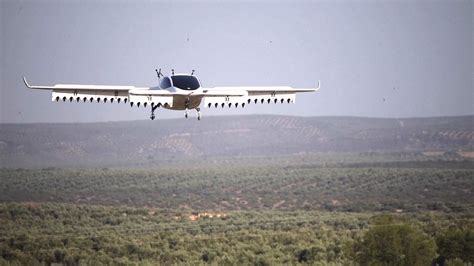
{"x":106,"y":93}
{"x":229,"y":96}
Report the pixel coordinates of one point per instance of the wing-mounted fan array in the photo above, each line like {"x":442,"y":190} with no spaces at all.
{"x":152,"y":97}
{"x":241,"y":96}
{"x":136,"y":96}
{"x":87,"y":93}
{"x":118,"y":96}
{"x":224,"y":96}
{"x":260,"y":98}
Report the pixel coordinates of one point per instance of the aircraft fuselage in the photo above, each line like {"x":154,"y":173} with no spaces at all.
{"x":179,"y":102}
{"x":185,"y":85}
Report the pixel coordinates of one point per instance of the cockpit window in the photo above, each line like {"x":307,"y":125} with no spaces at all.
{"x":185,"y":82}
{"x":165,"y":83}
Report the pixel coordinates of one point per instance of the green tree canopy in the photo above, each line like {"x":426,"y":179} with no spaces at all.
{"x":456,"y":243}
{"x":395,"y":244}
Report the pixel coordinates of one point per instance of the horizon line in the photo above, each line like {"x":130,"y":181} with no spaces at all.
{"x":244,"y":115}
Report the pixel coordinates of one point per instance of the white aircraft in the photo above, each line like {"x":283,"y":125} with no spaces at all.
{"x":176,"y":92}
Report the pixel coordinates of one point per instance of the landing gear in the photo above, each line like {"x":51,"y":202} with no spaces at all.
{"x":198,"y":113}
{"x":153,"y":108}
{"x":186,"y":105}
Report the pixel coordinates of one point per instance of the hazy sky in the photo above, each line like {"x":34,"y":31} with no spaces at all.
{"x":417,"y":55}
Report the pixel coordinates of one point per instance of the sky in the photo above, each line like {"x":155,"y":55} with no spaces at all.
{"x":374,"y":58}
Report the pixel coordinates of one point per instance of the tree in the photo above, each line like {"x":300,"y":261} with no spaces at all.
{"x":456,"y":243}
{"x":395,"y":244}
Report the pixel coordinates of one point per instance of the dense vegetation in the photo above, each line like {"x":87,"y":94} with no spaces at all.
{"x":283,"y":183}
{"x":74,"y":234}
{"x":259,"y":190}
{"x":263,"y":211}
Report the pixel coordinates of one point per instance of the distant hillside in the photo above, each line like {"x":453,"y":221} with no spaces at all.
{"x":136,"y":141}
